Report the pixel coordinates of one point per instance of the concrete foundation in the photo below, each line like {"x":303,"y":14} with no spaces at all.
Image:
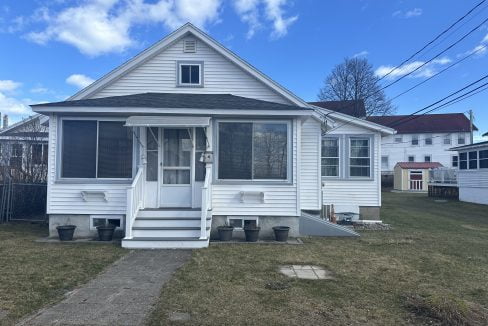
{"x":369,"y":212}
{"x":266,"y":224}
{"x":82,"y":223}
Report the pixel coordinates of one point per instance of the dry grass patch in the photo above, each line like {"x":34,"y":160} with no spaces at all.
{"x":427,"y":252}
{"x":34,"y":274}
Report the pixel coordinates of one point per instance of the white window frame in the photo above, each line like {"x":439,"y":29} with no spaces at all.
{"x":289,"y":148}
{"x":59,"y":152}
{"x":180,"y":64}
{"x":242,"y":218}
{"x":416,"y":138}
{"x":370,"y":157}
{"x":339,"y":159}
{"x":106,"y":217}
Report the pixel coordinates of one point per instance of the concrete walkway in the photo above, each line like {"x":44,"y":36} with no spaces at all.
{"x":122,"y":295}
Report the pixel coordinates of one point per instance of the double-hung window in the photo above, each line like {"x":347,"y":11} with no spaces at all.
{"x":359,"y":157}
{"x":253,"y":150}
{"x":473,"y":160}
{"x":427,"y":158}
{"x":483,"y":155}
{"x":455,"y":161}
{"x":190,"y":73}
{"x":461,"y":140}
{"x":447,"y":139}
{"x":330,"y":157}
{"x":96,"y":149}
{"x":428,"y":140}
{"x":463,"y":161}
{"x":415,"y":140}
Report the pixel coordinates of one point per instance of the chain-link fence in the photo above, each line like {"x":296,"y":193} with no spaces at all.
{"x":22,"y":201}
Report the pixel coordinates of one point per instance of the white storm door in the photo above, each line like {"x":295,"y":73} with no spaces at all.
{"x":175,"y":179}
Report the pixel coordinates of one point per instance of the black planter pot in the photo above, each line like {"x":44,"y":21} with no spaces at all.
{"x":225,"y":232}
{"x":66,"y":232}
{"x":252,"y":234}
{"x":281,"y":233}
{"x":106,"y":233}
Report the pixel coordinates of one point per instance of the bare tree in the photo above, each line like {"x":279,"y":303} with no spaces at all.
{"x":354,"y":79}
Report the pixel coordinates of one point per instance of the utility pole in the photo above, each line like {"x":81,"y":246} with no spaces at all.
{"x":471,"y":126}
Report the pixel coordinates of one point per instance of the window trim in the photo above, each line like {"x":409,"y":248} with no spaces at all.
{"x":59,"y":153}
{"x":461,"y":136}
{"x":371,"y":157}
{"x":242,"y":218}
{"x":408,"y":158}
{"x":107,"y":217}
{"x":431,"y":140}
{"x":429,"y":156}
{"x":416,"y":137}
{"x":180,"y":63}
{"x":340,"y":153}
{"x":290,"y":159}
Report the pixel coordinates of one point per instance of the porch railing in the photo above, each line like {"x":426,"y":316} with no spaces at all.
{"x":443,"y":176}
{"x":135,"y":201}
{"x":206,"y":201}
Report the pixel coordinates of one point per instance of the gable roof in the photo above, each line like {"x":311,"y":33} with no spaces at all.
{"x":428,"y":123}
{"x":175,"y":101}
{"x":181,"y":32}
{"x":353,"y":108}
{"x":419,"y":165}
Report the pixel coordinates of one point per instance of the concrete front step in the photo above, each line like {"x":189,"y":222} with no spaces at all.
{"x":164,"y":243}
{"x":166,"y":232}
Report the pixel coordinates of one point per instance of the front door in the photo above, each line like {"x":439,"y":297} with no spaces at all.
{"x":176,"y":171}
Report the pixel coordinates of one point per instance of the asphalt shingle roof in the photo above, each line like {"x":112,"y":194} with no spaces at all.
{"x":350,"y":107}
{"x":428,"y":123}
{"x":173,"y":100}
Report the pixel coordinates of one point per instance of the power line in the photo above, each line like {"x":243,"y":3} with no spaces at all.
{"x":435,"y":39}
{"x":440,"y":72}
{"x":437,"y":55}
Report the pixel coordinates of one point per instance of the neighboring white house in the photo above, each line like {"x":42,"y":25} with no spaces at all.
{"x":24,"y":150}
{"x":187,"y":136}
{"x":425,"y":138}
{"x":472,"y":176}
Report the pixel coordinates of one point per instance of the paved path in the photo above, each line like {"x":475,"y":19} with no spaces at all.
{"x":122,"y":295}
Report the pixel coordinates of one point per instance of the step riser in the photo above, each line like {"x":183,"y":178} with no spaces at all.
{"x":165,"y":233}
{"x":168,"y":223}
{"x":164,"y":244}
{"x":169,"y":213}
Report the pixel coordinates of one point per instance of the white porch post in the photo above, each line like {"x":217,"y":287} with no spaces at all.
{"x":207,"y":186}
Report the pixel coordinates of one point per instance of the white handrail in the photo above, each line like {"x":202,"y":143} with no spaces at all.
{"x":206,"y":201}
{"x":135,"y":201}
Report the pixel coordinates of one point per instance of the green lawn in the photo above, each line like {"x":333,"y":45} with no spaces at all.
{"x":432,"y":268}
{"x":33,"y":274}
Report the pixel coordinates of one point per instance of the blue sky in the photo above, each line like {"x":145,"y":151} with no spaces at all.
{"x":49,"y":49}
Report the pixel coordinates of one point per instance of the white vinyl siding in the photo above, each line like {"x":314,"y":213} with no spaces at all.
{"x":310,"y":165}
{"x":354,"y":192}
{"x":279,"y":199}
{"x":473,"y":184}
{"x":159,"y":74}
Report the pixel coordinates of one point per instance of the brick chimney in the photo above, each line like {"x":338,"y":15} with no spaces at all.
{"x":5,"y":121}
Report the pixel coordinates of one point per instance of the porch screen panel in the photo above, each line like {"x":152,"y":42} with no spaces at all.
{"x":270,"y":151}
{"x":235,"y":150}
{"x":200,"y":147}
{"x":79,"y":149}
{"x":152,"y":154}
{"x":114,"y":150}
{"x":177,"y":156}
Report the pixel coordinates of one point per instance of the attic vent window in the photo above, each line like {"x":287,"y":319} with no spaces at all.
{"x":189,"y":46}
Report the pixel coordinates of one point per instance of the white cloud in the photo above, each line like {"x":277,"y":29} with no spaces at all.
{"x":426,"y":71}
{"x":481,"y":49}
{"x":79,"y":80}
{"x":360,"y":54}
{"x":9,"y":86}
{"x":39,"y":90}
{"x":256,"y":12}
{"x":97,"y":27}
{"x":13,"y":106}
{"x":416,"y":12}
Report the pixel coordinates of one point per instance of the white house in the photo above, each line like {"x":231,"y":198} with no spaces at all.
{"x":187,"y":136}
{"x":472,"y":174}
{"x":425,"y":138}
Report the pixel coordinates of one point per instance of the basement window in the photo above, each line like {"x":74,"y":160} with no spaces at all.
{"x":241,"y":222}
{"x":100,"y":220}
